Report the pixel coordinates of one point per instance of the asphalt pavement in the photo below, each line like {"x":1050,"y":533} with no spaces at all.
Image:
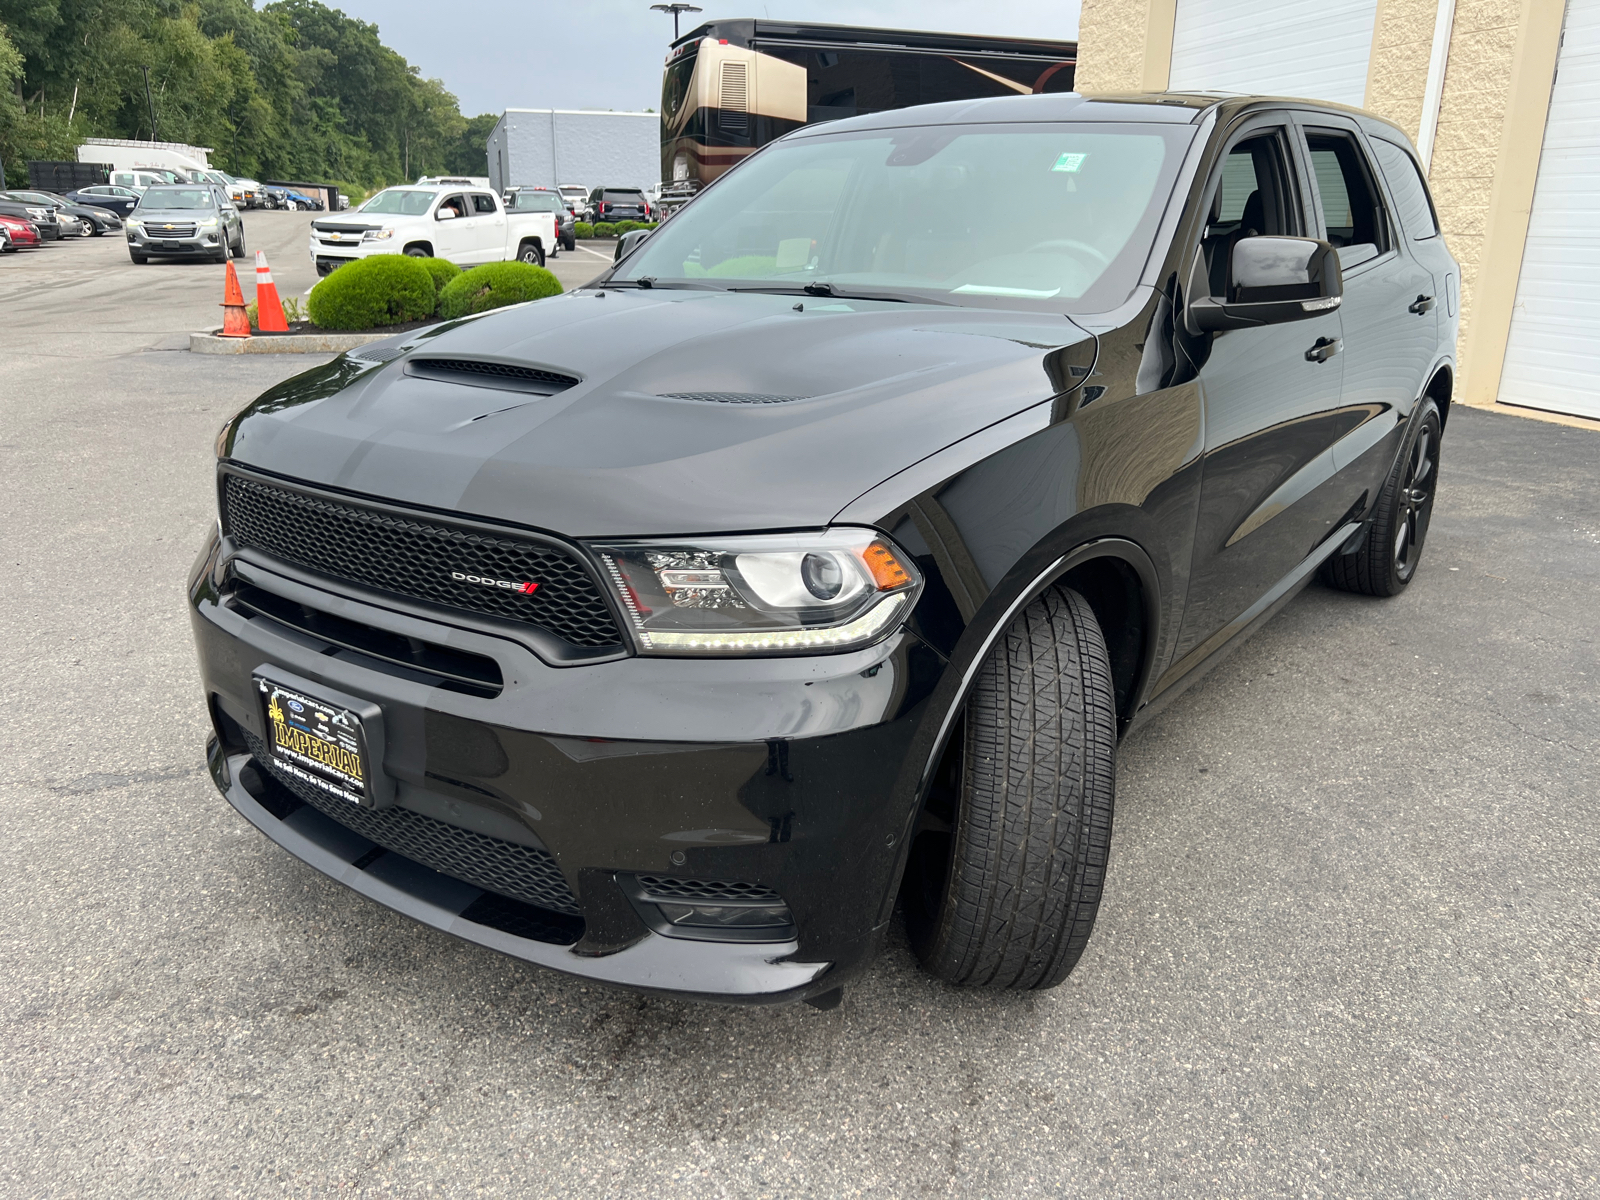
{"x":1350,"y":944}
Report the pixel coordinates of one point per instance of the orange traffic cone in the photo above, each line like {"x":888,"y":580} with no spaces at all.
{"x":235,"y":321}
{"x":269,"y":309}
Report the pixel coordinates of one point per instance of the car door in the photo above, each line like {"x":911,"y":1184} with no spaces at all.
{"x":452,"y":235}
{"x":489,"y":227}
{"x":1390,"y":310}
{"x":1271,"y":398}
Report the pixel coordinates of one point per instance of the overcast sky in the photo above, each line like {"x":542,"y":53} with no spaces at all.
{"x":499,"y":54}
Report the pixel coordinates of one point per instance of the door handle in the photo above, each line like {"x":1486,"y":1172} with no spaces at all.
{"x":1322,"y":350}
{"x":1422,"y":305}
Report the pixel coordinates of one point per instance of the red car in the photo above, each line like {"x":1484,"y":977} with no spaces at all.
{"x":18,"y":233}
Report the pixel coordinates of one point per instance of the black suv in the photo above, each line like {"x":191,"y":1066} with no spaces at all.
{"x":610,"y":205}
{"x":814,"y":558}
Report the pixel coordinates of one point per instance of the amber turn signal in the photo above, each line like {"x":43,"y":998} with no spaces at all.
{"x":885,"y":568}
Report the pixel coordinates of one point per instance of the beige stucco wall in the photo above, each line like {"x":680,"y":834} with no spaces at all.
{"x":1124,"y":45}
{"x":1402,"y":45}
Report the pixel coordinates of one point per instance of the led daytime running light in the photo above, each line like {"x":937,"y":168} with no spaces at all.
{"x":865,"y":627}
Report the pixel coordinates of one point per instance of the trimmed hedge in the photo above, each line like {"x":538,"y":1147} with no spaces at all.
{"x":584,"y":229}
{"x":495,"y":285}
{"x":442,"y":270}
{"x":386,"y":289}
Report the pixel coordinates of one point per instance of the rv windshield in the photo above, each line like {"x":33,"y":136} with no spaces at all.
{"x":400,"y":202}
{"x":911,"y":213}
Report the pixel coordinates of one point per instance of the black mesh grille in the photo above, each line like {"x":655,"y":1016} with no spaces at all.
{"x":732,"y":397}
{"x":658,"y":887}
{"x":416,"y":558}
{"x":521,"y":872}
{"x":472,"y":370}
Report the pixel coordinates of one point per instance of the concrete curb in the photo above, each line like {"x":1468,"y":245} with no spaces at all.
{"x":283,"y":343}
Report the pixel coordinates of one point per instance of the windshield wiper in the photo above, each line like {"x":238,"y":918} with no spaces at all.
{"x":832,"y":292}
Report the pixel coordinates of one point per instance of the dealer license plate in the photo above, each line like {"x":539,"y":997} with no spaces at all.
{"x":316,"y":742}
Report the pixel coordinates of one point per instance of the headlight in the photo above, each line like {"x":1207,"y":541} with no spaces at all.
{"x":134,"y":223}
{"x":208,"y":223}
{"x":797,"y":593}
{"x":377,"y":235}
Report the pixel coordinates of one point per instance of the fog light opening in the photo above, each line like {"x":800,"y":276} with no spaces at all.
{"x":727,"y":916}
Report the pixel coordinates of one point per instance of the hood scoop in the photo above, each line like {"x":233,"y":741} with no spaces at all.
{"x":731,"y":397}
{"x":476,"y":372}
{"x":376,"y":354}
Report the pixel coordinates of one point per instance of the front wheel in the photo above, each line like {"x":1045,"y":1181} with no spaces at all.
{"x":1387,"y":560}
{"x":239,"y":250}
{"x":1003,"y":886}
{"x":139,"y":260}
{"x":531,"y":254}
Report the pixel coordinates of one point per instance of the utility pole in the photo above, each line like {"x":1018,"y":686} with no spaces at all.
{"x":154,"y":137}
{"x":674,"y":9}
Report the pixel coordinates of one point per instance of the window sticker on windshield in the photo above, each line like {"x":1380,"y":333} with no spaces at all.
{"x":1069,"y":163}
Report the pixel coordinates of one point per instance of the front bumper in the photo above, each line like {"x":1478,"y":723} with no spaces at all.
{"x":206,"y":241}
{"x":784,"y":774}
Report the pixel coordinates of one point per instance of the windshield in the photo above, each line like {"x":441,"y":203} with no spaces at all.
{"x":910,"y":212}
{"x":403,"y":202}
{"x":175,"y":197}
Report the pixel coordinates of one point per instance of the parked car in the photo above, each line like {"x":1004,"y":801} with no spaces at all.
{"x":139,"y":180}
{"x":88,"y":219}
{"x":42,"y":216}
{"x":299,"y":201}
{"x":185,"y":220}
{"x":807,"y":566}
{"x":577,"y":199}
{"x":545,"y":200}
{"x":18,"y":233}
{"x":467,"y":227}
{"x":107,"y":196}
{"x":619,"y":204}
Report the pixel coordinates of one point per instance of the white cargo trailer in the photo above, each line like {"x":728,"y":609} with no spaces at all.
{"x":552,"y":147}
{"x":123,"y":155}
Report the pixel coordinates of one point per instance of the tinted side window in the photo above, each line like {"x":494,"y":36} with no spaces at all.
{"x":1352,"y":212}
{"x":1410,"y":192}
{"x":1252,"y":195}
{"x":482,"y":203}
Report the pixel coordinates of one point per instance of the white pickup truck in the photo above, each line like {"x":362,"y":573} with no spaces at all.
{"x":466,"y":225}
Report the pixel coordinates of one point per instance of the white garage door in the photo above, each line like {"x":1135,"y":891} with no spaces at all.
{"x":1553,"y":354}
{"x":1313,"y":48}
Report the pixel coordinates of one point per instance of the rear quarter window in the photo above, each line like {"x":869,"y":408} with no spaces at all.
{"x":1404,"y":177}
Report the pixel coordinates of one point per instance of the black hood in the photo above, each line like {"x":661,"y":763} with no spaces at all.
{"x":692,"y":412}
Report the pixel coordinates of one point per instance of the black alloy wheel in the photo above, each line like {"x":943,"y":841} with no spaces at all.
{"x":1006,"y":872}
{"x":1387,"y":560}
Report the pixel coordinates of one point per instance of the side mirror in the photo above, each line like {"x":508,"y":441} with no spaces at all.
{"x":629,"y":242}
{"x":445,"y":214}
{"x":1272,"y":280}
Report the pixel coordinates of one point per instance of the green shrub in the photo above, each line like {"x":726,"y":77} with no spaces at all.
{"x":604,"y":229}
{"x":582,"y":229}
{"x":386,"y":289}
{"x":442,"y":270}
{"x":623,"y":227}
{"x":494,"y":285}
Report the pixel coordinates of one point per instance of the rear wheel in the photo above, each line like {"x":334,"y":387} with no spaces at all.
{"x":1388,"y":559}
{"x":1003,"y":890}
{"x":531,"y":253}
